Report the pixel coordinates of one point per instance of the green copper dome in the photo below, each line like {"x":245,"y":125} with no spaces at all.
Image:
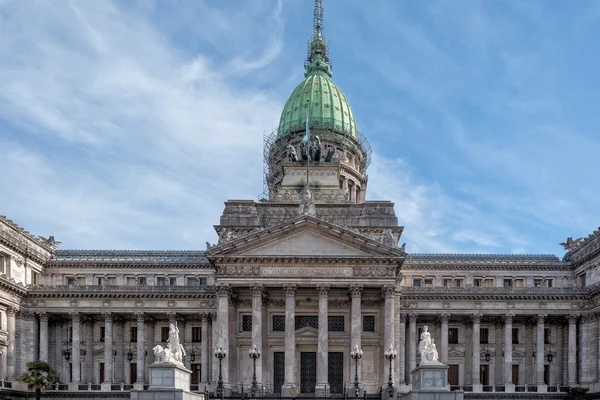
{"x":317,"y":97}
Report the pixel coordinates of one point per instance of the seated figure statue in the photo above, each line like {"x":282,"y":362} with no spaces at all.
{"x":427,"y":348}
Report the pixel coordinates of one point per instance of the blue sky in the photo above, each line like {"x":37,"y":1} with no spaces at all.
{"x":127,"y":124}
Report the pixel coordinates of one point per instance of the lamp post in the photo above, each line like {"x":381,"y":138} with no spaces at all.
{"x":220,"y":353}
{"x":254,"y":354}
{"x":390,"y":354}
{"x":356,"y":355}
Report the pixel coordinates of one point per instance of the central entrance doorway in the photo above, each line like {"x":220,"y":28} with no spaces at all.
{"x":308,"y":372}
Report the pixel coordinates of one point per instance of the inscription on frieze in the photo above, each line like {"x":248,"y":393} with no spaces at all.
{"x":305,"y":272}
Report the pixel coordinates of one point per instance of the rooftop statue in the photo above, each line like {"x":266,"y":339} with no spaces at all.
{"x":292,"y":156}
{"x":307,"y":205}
{"x":329,"y":154}
{"x":427,"y":349}
{"x":50,"y":241}
{"x":174,"y":351}
{"x":571,"y":244}
{"x":315,"y":150}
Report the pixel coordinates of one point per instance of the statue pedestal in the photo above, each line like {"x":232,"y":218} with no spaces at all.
{"x":167,"y":382}
{"x":430,"y":382}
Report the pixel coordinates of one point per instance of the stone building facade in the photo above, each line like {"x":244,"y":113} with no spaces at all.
{"x":305,"y":274}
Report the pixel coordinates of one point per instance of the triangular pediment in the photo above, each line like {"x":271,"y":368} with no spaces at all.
{"x":305,"y":236}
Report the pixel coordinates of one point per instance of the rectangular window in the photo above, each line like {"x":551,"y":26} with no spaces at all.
{"x":161,"y":281}
{"x":164,"y":333}
{"x":519,"y":283}
{"x":35,"y":278}
{"x":100,"y":281}
{"x":515,"y":335}
{"x":71,"y":280}
{"x":130,"y":281}
{"x":192,"y":282}
{"x":335,"y":323}
{"x":111,"y":280}
{"x":102,"y":333}
{"x":428,"y":282}
{"x":3,"y":264}
{"x":247,"y":323}
{"x":203,"y":282}
{"x":476,"y":282}
{"x":417,"y":282}
{"x":458,"y":283}
{"x":142,"y":281}
{"x":546,"y":335}
{"x":278,"y":323}
{"x":303,"y":321}
{"x":70,"y":334}
{"x":172,"y":281}
{"x":508,"y":283}
{"x":196,"y":334}
{"x":488,"y":283}
{"x":453,"y":335}
{"x":133,"y":333}
{"x":368,"y":323}
{"x":549,"y":282}
{"x":196,"y":373}
{"x":483,"y":335}
{"x":538,"y":282}
{"x":447,"y":282}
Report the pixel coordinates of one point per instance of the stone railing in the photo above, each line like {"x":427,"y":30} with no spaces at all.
{"x":120,"y":289}
{"x":494,"y":290}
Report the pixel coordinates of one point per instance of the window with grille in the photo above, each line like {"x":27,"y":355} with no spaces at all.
{"x":192,"y":282}
{"x":278,"y":323}
{"x":164,"y":333}
{"x":196,"y":334}
{"x":416,"y":282}
{"x":161,"y":281}
{"x":133,"y":333}
{"x":303,"y":321}
{"x":476,"y":282}
{"x":483,"y":335}
{"x":172,"y":281}
{"x":546,"y":335}
{"x":142,"y":281}
{"x":453,"y":335}
{"x":246,"y":323}
{"x":368,"y":323}
{"x":515,"y":335}
{"x":335,"y":323}
{"x":102,"y":333}
{"x":203,"y":282}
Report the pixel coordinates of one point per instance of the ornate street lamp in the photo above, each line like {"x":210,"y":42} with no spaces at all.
{"x":129,"y":355}
{"x":390,"y":354}
{"x":487,"y":356}
{"x":254,"y":354}
{"x":550,"y":355}
{"x":356,"y":355}
{"x":220,"y":353}
{"x":67,"y":354}
{"x":192,"y":356}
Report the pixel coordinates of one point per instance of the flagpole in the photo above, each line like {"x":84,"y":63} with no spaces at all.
{"x":307,"y":136}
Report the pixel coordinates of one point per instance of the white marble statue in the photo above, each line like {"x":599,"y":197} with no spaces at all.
{"x":174,"y":351}
{"x":427,"y":348}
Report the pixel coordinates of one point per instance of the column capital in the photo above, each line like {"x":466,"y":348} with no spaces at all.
{"x":476,"y":318}
{"x":356,"y":291}
{"x":140,"y":317}
{"x":88,"y":322}
{"x":204,"y":317}
{"x":412,"y":317}
{"x":223,"y":290}
{"x":388,"y":291}
{"x":258,"y":290}
{"x":541,"y":318}
{"x":402,"y":318}
{"x":444,"y":317}
{"x":572,"y":318}
{"x":75,"y":317}
{"x":290,"y":290}
{"x":43,"y":316}
{"x":108,"y":317}
{"x":12,"y":310}
{"x":172,"y":317}
{"x":323,"y":290}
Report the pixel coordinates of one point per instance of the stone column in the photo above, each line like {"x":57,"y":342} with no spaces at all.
{"x":215,"y":341}
{"x":529,"y":371}
{"x":572,"y":351}
{"x":76,"y":353}
{"x":402,"y":350}
{"x":476,"y":318}
{"x":322,"y":388}
{"x":141,"y":349}
{"x":539,"y":355}
{"x":508,"y":353}
{"x":150,"y":341}
{"x":289,"y":387}
{"x":444,"y":345}
{"x":43,"y":336}
{"x":108,"y":348}
{"x":257,"y":328}
{"x":412,"y":344}
{"x":356,"y":325}
{"x":204,"y":355}
{"x":119,"y":334}
{"x":388,"y":293}
{"x":11,"y":326}
{"x":598,"y":355}
{"x":89,"y":351}
{"x":223,"y":293}
{"x":58,"y":348}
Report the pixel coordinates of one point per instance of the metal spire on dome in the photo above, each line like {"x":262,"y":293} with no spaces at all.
{"x":318,"y":55}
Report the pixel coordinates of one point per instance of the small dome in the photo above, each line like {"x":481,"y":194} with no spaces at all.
{"x":322,"y":101}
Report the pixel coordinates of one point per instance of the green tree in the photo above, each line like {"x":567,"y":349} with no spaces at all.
{"x":38,"y":376}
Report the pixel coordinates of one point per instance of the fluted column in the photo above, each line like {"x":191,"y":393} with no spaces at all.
{"x":119,"y":360}
{"x":530,"y":375}
{"x":388,"y":293}
{"x":257,"y":328}
{"x":141,"y":349}
{"x":402,"y":349}
{"x":43,"y":336}
{"x":356,"y":324}
{"x":89,"y":351}
{"x":11,"y":326}
{"x":76,"y":353}
{"x":539,"y":355}
{"x":215,"y":341}
{"x":572,"y":351}
{"x":322,"y":388}
{"x":412,"y":344}
{"x":476,"y":318}
{"x":108,"y":348}
{"x":444,"y":345}
{"x":223,"y":294}
{"x":289,"y":386}
{"x":204,"y":355}
{"x":508,"y":349}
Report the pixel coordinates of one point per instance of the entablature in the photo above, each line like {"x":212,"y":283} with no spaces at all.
{"x":122,"y":291}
